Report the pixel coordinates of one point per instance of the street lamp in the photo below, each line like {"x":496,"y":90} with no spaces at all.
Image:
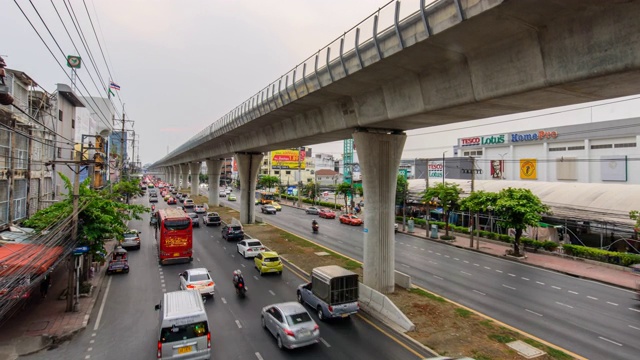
{"x":443,"y":166}
{"x":503,"y":164}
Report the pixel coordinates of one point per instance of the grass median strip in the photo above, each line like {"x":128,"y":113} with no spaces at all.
{"x":449,"y":329}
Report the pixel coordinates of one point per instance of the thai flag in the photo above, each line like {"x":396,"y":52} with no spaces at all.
{"x":114,"y":86}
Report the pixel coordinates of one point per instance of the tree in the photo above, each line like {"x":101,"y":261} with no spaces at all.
{"x":310,"y":188}
{"x":268,"y":181}
{"x":344,"y":189}
{"x":448,"y":194}
{"x":204,"y":178}
{"x":517,"y":209}
{"x":402,"y":187}
{"x":478,"y":201}
{"x":635,"y":215}
{"x":124,"y":189}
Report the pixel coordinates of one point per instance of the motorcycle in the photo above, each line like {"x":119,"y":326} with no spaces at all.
{"x":241,"y":290}
{"x":315,"y":228}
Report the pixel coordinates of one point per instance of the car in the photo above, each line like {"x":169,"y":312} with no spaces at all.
{"x":131,"y":239}
{"x":174,"y":191}
{"x":188,"y":203}
{"x":167,"y":197}
{"x":327,"y":214}
{"x":232,"y":197}
{"x":232,"y":232}
{"x":395,"y":227}
{"x":350,"y":219}
{"x":276,"y":205}
{"x":228,"y":190}
{"x":222,"y":193}
{"x":212,"y":218}
{"x":199,"y":209}
{"x":195,"y":220}
{"x":250,"y":248}
{"x":153,"y":199}
{"x":268,"y":262}
{"x":312,"y":210}
{"x":197,"y":279}
{"x":171,"y":201}
{"x":268,"y":209}
{"x":290,"y":324}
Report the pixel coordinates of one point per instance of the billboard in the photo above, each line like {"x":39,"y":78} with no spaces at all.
{"x":528,"y":169}
{"x":288,"y":159}
{"x":497,"y":169}
{"x":453,"y":168}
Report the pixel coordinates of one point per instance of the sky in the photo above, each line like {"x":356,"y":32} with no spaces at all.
{"x":181,"y":65}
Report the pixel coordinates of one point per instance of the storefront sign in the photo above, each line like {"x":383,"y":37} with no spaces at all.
{"x":540,"y":135}
{"x":435,"y":169}
{"x":528,"y":169}
{"x":483,"y":140}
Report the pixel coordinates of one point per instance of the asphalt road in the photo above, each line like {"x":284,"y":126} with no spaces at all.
{"x":591,"y":319}
{"x":124,"y":324}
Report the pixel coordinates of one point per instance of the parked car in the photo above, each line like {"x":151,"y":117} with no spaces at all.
{"x":290,"y":324}
{"x":276,"y":205}
{"x":327,"y":214}
{"x":212,"y":218}
{"x":312,"y":210}
{"x":199,"y":209}
{"x":350,"y":219}
{"x":250,"y":248}
{"x":188,"y":203}
{"x":195,"y":220}
{"x":268,"y":209}
{"x":232,"y":197}
{"x":232,"y":232}
{"x":197,"y":279}
{"x":131,"y":239}
{"x":268,"y":262}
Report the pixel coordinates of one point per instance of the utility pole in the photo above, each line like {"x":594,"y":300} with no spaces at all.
{"x":122,"y":146}
{"x":71,"y":305}
{"x":426,"y":189}
{"x":300,"y":150}
{"x":473,"y":181}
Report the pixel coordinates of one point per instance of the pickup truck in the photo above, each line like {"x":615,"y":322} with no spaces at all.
{"x":332,"y":292}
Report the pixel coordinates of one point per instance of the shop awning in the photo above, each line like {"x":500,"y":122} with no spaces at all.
{"x":32,"y":259}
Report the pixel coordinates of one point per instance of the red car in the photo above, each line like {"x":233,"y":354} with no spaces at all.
{"x":327,"y":214}
{"x":350,"y":220}
{"x":171,"y":201}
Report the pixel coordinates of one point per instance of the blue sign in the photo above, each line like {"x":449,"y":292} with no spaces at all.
{"x":80,"y":250}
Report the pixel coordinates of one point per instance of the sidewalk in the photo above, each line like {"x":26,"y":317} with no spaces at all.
{"x":43,"y":321}
{"x":586,"y":269}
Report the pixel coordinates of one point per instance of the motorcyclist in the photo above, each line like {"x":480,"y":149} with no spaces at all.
{"x":314,"y":225}
{"x":153,"y":208}
{"x":237,"y":279}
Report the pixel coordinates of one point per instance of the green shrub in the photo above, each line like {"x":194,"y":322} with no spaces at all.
{"x":550,"y":245}
{"x":611,"y":257}
{"x":505,"y":238}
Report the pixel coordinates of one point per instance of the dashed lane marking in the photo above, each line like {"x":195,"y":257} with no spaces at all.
{"x":556,"y":287}
{"x":476,"y":264}
{"x":422,"y":249}
{"x":465,"y":261}
{"x":632,"y":309}
{"x":198,"y":259}
{"x":238,"y":323}
{"x":538,"y":282}
{"x":94,"y":334}
{"x":573,"y":292}
{"x":325,"y":342}
{"x":255,"y":277}
{"x":104,"y":301}
{"x":466,"y":273}
{"x":611,"y":341}
{"x":533,"y":312}
{"x":456,"y":259}
{"x":488,"y":268}
{"x":242,"y":265}
{"x":508,"y":287}
{"x":569,"y":306}
{"x":500,"y":271}
{"x":592,"y":298}
{"x":224,"y":301}
{"x":405,"y":265}
{"x":259,"y":356}
{"x":272,"y":293}
{"x":438,"y":277}
{"x":611,"y":303}
{"x":224,"y":247}
{"x":91,"y":341}
{"x":88,"y":357}
{"x":438,"y":254}
{"x":633,"y":327}
{"x":479,"y":292}
{"x":90,"y":349}
{"x":524,"y":278}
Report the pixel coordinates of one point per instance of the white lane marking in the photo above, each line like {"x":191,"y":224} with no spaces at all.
{"x":481,"y":293}
{"x":573,"y":292}
{"x":437,"y":277}
{"x":433,"y":262}
{"x":340,"y":241}
{"x":104,"y":301}
{"x":224,"y":301}
{"x":162,"y":279}
{"x":88,"y":357}
{"x":456,"y":259}
{"x":632,"y":309}
{"x":524,"y":278}
{"x":405,"y":265}
{"x":162,"y":285}
{"x":488,"y":268}
{"x":232,"y":255}
{"x":408,"y":245}
{"x":422,"y":249}
{"x":610,"y":303}
{"x":538,"y":282}
{"x":592,"y":298}
{"x":466,"y":273}
{"x":465,"y":261}
{"x":438,"y":254}
{"x":198,"y":259}
{"x":91,"y":341}
{"x":508,"y":287}
{"x":446,"y":256}
{"x":430,"y":251}
{"x":325,"y":342}
{"x":401,"y":243}
{"x":259,"y":356}
{"x":500,"y":271}
{"x":255,"y":277}
{"x":238,"y":323}
{"x":633,"y":327}
{"x":556,"y":287}
{"x":533,"y":312}
{"x":415,"y":247}
{"x":272,"y":293}
{"x":164,"y":290}
{"x":224,"y":247}
{"x":90,"y":349}
{"x":242,"y":265}
{"x":611,"y":341}
{"x":569,"y":306}
{"x":94,"y":334}
{"x":476,"y":264}
{"x":512,"y":274}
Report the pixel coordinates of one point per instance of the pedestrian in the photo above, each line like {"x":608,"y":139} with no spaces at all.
{"x":44,"y":286}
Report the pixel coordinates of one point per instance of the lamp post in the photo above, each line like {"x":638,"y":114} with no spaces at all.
{"x":335,"y":192}
{"x":443,"y":166}
{"x":503,"y":165}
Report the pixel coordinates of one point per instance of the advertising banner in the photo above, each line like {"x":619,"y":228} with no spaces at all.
{"x":497,"y":169}
{"x":613,"y":168}
{"x":529,"y":169}
{"x":287,"y":159}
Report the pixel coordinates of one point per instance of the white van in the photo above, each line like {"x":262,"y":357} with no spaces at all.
{"x":184,"y":326}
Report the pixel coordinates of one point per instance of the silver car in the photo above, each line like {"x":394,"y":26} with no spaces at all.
{"x":290,"y":324}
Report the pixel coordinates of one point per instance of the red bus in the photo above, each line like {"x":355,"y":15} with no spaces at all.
{"x":174,"y":233}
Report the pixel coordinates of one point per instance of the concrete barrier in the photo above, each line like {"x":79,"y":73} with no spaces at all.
{"x":382,"y":308}
{"x":402,"y":280}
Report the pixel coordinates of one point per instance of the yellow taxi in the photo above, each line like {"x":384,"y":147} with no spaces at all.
{"x":268,"y":262}
{"x":276,"y":205}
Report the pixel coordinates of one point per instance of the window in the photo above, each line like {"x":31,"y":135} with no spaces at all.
{"x":299,"y":318}
{"x":288,"y":172}
{"x":605,"y":146}
{"x":5,"y":149}
{"x":19,"y":199}
{"x":21,"y":152}
{"x":557,"y":149}
{"x":60,"y":115}
{"x":73,"y":123}
{"x":277,"y":172}
{"x":4,"y":201}
{"x":625,"y":145}
{"x":473,"y":153}
{"x":184,"y":332}
{"x":581,"y":147}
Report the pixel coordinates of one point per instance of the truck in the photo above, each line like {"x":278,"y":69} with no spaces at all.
{"x":332,"y":292}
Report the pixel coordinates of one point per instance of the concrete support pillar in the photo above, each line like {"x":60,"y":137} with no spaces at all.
{"x":248,"y":167}
{"x":213,"y":173}
{"x":195,"y":177}
{"x":379,"y":156}
{"x":176,"y":176}
{"x":184,"y":175}
{"x":167,"y":171}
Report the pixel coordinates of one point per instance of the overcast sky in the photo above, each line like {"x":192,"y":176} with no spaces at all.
{"x":182,"y":65}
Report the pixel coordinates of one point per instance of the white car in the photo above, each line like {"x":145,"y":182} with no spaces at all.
{"x":197,"y":279}
{"x":199,"y":209}
{"x":228,"y":190}
{"x":250,"y":248}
